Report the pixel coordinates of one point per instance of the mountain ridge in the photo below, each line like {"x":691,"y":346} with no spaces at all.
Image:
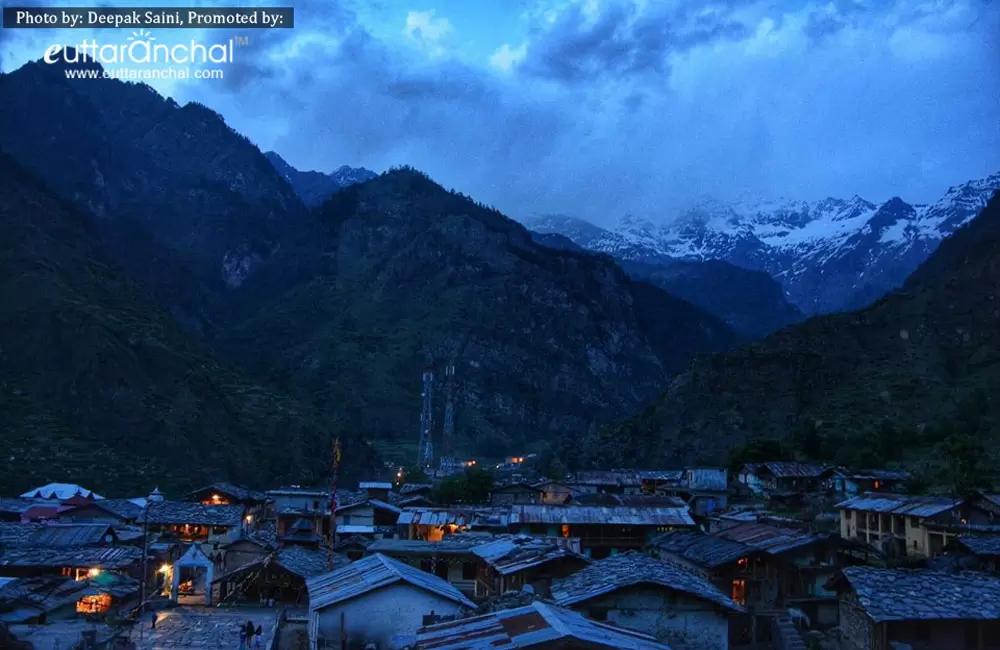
{"x":830,"y":255}
{"x":315,"y":187}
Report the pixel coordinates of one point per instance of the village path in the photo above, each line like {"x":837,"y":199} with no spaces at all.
{"x":204,"y":628}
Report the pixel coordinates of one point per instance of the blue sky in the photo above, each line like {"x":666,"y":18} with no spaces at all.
{"x":601,"y":107}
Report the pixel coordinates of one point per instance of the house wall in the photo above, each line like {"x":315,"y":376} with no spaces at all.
{"x":754,"y":482}
{"x":357,"y":517}
{"x":682,"y":622}
{"x":856,"y":628}
{"x":377,"y":616}
{"x":931,"y":635}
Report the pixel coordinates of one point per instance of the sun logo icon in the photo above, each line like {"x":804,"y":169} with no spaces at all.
{"x":141,"y":35}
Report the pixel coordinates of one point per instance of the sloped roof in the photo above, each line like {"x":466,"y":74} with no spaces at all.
{"x":922,"y":594}
{"x":102,"y":557}
{"x":790,"y":469}
{"x":881,"y":475}
{"x":529,"y":627}
{"x":60,"y":491}
{"x":308,"y":562}
{"x":632,"y":568}
{"x":606,"y":515}
{"x":412,"y":488}
{"x":15,"y":533}
{"x":510,"y":555}
{"x":471,"y":516}
{"x":15,"y":506}
{"x":701,"y":548}
{"x":449,"y":545}
{"x":988,"y":545}
{"x":65,"y":535}
{"x":371,"y":573}
{"x":772,"y":539}
{"x":629,"y":500}
{"x":183,"y":512}
{"x":898,"y":504}
{"x":238,"y":492}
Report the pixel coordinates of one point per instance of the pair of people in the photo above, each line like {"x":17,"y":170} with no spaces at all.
{"x":250,"y":636}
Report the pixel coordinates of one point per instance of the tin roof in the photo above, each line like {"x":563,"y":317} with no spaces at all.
{"x":771,"y":539}
{"x":183,"y":512}
{"x":510,"y":555}
{"x":898,"y":504}
{"x":71,"y":535}
{"x":374,"y":485}
{"x":15,"y":506}
{"x":609,"y":477}
{"x":371,"y":573}
{"x":449,"y":545}
{"x":413,"y":488}
{"x":531,"y":627}
{"x":298,"y":491}
{"x":484,"y":517}
{"x":633,"y":568}
{"x":922,"y":594}
{"x":601,"y":515}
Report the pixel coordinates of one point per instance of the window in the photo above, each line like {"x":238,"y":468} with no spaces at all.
{"x":441,"y":570}
{"x":315,"y":505}
{"x":347,"y":520}
{"x":739,"y":592}
{"x":468,"y":570}
{"x":598,"y":614}
{"x":915,"y":522}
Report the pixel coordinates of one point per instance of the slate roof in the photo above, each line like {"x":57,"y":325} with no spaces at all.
{"x":922,"y":594}
{"x":237,"y":492}
{"x":608,"y":478}
{"x":701,"y":548}
{"x":530,"y":627}
{"x":115,"y":557}
{"x":124,"y":508}
{"x":881,"y":475}
{"x":66,"y":535}
{"x":371,"y":573}
{"x":413,"y":488}
{"x":183,"y":512}
{"x":601,"y":515}
{"x":988,"y":545}
{"x":26,"y":598}
{"x":898,"y":504}
{"x":308,"y":562}
{"x":15,"y":506}
{"x":789,"y":469}
{"x":13,"y":533}
{"x":632,"y":568}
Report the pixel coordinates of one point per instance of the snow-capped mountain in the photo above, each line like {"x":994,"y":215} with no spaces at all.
{"x":830,"y":255}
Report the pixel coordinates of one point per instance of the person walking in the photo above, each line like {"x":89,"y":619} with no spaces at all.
{"x":259,"y":636}
{"x":243,"y":637}
{"x":249,"y":629}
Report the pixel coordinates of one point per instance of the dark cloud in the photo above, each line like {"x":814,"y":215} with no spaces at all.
{"x":634,"y":110}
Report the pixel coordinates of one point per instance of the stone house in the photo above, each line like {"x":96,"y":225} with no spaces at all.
{"x":511,"y":563}
{"x":452,"y":559}
{"x":785,"y":476}
{"x":639,"y":592}
{"x":927,"y":610}
{"x":374,"y":600}
{"x":869,"y":480}
{"x":515,"y":493}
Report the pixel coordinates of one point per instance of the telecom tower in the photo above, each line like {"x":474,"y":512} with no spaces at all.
{"x":425,"y":450}
{"x":448,"y":435}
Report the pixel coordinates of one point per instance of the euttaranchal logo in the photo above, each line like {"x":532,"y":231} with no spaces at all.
{"x":141,"y":50}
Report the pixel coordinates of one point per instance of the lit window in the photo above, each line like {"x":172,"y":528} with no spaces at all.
{"x":739,"y":592}
{"x":96,"y":604}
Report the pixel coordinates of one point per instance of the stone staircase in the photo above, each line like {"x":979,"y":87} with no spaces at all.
{"x":786,"y":635}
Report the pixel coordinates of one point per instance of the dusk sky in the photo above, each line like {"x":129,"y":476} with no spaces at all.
{"x":597,"y":108}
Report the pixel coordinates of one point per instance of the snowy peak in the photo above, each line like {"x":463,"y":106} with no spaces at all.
{"x":830,"y":255}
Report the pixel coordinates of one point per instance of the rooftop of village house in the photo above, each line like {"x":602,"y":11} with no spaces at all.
{"x":920,"y":594}
{"x":630,"y":569}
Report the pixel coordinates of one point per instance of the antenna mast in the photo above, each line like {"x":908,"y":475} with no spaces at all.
{"x":448,"y":438}
{"x":425,"y":451}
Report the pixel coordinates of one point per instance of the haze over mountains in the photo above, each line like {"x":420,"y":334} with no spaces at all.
{"x":830,"y":255}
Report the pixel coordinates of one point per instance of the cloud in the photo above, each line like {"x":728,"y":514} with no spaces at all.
{"x":427,"y":31}
{"x":614,"y":106}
